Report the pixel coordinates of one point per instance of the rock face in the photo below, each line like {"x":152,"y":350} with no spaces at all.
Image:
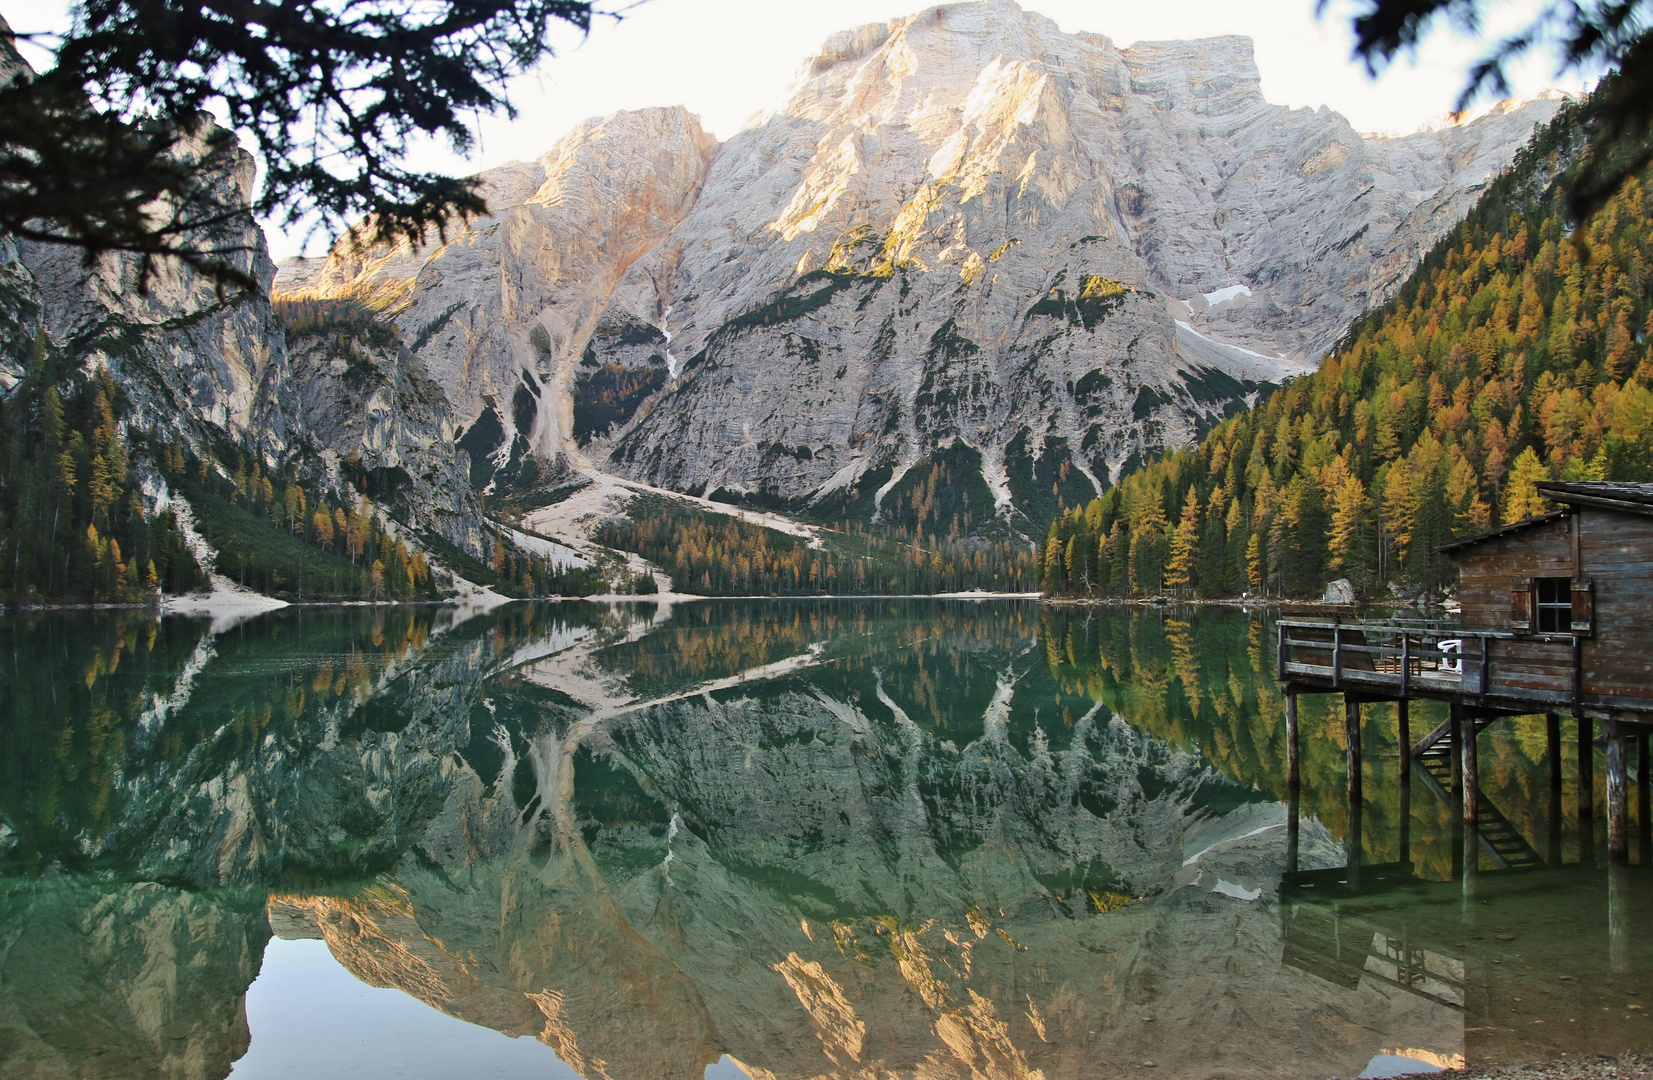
{"x":346,"y":388}
{"x":501,"y":314}
{"x":215,"y":369}
{"x":964,"y":226}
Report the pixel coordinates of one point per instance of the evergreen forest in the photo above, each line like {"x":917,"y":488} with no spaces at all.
{"x":74,"y":521}
{"x":713,"y":554}
{"x":1516,"y":353}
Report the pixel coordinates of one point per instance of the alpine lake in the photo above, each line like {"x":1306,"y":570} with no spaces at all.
{"x":776,"y":839}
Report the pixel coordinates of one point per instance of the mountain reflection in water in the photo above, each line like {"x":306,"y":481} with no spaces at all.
{"x":786,"y":838}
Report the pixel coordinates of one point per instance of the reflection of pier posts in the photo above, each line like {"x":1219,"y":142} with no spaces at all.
{"x":1351,"y":729}
{"x":1618,"y":918}
{"x":1552,"y":730}
{"x":1618,"y":796}
{"x":1293,"y":778}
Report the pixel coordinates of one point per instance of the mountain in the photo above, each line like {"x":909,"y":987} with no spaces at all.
{"x":969,"y":271}
{"x":963,"y":231}
{"x":175,"y":436}
{"x":1516,"y":353}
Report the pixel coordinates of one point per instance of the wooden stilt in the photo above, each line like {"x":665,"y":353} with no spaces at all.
{"x":1455,"y":739}
{"x":1405,"y":823}
{"x":1618,"y":796}
{"x":1404,"y":709}
{"x":1586,"y":768}
{"x":1472,"y":794}
{"x":1292,"y":776}
{"x":1293,"y":827}
{"x":1351,"y":729}
{"x":1552,"y":731}
{"x":1644,"y":837}
{"x":1354,"y":845}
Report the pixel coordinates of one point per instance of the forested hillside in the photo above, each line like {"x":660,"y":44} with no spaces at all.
{"x":73,"y":521}
{"x":1516,"y":353}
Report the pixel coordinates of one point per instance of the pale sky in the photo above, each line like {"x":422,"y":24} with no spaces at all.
{"x":729,"y":59}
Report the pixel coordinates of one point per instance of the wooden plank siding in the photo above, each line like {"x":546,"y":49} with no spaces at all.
{"x":1616,"y":553}
{"x":1491,"y":572}
{"x":1537,"y":667}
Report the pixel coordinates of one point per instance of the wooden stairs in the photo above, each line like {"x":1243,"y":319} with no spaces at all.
{"x":1501,"y":841}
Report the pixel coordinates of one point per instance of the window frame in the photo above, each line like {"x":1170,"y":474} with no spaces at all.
{"x":1552,"y":605}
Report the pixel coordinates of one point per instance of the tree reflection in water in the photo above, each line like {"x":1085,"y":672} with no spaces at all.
{"x":846,"y":838}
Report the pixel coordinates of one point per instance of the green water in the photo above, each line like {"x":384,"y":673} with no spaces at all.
{"x":783,"y":838}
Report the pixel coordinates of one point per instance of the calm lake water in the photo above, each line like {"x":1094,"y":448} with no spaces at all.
{"x":939,"y":839}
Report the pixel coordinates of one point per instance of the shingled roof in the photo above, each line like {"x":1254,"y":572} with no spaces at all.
{"x":1600,"y":494}
{"x":1604,"y":494}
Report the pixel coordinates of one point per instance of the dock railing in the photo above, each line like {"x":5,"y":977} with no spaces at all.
{"x":1398,"y":656}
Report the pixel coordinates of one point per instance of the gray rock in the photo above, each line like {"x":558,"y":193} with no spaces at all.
{"x":1341,"y":591}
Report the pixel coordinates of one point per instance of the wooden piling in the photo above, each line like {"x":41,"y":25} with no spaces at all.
{"x":1293,"y":827}
{"x":1455,"y":751}
{"x":1406,"y":825}
{"x":1292,"y":777}
{"x":1354,"y":846}
{"x":1644,"y":839}
{"x":1471,"y":799}
{"x":1351,"y":729}
{"x":1586,"y":771}
{"x":1618,"y":817}
{"x":1552,"y":731}
{"x":1403,"y":708}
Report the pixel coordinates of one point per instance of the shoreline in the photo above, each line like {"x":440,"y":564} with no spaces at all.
{"x":235,"y":602}
{"x":198,"y":604}
{"x":1626,"y":1066}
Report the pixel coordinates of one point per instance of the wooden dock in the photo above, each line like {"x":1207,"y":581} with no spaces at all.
{"x":1557,"y":621}
{"x":1481,"y":675}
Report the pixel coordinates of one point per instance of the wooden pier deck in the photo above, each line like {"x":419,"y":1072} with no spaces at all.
{"x":1482,"y":675}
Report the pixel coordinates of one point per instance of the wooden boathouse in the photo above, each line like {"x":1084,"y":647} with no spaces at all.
{"x":1557,"y":619}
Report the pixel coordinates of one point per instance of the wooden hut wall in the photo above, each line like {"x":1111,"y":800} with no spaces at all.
{"x":1493,"y":570}
{"x":1616,"y":553}
{"x":1492,"y":573}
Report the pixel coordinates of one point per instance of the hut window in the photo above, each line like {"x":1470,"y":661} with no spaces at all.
{"x":1554,"y":607}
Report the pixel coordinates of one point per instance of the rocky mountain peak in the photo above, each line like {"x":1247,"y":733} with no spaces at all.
{"x":1208,"y":77}
{"x":962,"y":228}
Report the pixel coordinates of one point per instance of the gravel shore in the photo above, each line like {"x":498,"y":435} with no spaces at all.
{"x":1622,"y":1067}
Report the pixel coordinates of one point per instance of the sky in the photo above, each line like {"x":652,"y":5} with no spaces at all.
{"x":727,"y":60}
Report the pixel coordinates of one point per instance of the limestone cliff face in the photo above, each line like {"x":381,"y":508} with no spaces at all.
{"x":501,"y":312}
{"x":964,"y":225}
{"x":211,"y":367}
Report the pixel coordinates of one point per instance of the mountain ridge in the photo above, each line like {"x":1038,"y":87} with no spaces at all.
{"x":988,"y":166}
{"x":971,"y":270}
